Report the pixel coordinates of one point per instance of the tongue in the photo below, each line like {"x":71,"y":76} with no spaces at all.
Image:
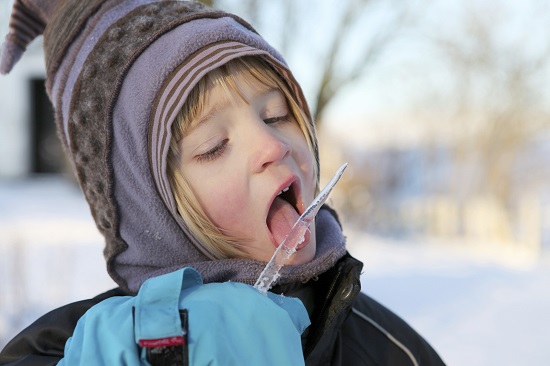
{"x":280,"y":219}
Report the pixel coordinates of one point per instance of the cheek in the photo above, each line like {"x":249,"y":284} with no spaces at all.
{"x":222,"y":197}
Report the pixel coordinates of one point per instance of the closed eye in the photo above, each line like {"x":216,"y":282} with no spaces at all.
{"x":213,"y":153}
{"x":284,"y":118}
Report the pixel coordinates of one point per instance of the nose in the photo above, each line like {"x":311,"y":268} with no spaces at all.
{"x":269,"y":146}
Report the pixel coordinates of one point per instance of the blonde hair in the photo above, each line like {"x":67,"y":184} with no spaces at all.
{"x":218,"y":244}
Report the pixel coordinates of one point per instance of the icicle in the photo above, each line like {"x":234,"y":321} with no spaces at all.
{"x":296,"y":236}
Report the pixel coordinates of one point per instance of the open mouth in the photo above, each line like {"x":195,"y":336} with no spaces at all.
{"x":285,"y":210}
{"x":288,"y":194}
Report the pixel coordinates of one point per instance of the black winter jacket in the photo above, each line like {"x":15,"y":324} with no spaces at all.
{"x":348,"y":328}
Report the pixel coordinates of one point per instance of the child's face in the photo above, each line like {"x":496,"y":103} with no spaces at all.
{"x":238,"y":156}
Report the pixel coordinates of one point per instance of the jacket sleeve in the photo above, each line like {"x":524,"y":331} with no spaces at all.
{"x":377,"y":335}
{"x":42,"y":343}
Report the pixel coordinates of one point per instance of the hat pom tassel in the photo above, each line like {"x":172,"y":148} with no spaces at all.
{"x":10,"y":54}
{"x":26,"y":23}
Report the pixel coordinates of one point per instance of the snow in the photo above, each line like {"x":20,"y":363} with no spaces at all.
{"x":50,"y":251}
{"x":476,"y":305}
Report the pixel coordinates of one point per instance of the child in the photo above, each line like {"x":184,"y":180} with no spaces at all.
{"x":195,"y":149}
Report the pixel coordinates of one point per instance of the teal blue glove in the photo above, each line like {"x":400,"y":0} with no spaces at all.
{"x":224,"y":324}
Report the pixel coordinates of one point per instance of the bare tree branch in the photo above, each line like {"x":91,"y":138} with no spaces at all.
{"x":331,"y":80}
{"x":498,"y":104}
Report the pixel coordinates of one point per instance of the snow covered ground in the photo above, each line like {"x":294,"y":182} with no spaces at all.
{"x":476,"y":305}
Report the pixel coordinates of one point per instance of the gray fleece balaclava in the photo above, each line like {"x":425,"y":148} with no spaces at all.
{"x":117,"y":73}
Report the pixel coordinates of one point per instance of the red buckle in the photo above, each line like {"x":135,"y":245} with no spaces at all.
{"x":162,"y":342}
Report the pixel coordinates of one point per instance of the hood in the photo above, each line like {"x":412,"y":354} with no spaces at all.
{"x":117,"y":74}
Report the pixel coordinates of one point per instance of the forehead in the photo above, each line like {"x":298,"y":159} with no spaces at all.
{"x":222,"y":90}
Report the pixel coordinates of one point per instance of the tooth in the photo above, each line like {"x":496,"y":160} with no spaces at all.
{"x":284,"y":190}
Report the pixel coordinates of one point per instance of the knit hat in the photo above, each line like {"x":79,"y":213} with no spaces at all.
{"x":117,"y":73}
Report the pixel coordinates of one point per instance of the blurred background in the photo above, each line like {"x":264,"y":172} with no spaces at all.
{"x":442,"y":109}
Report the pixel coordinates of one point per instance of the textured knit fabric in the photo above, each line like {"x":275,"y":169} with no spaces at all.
{"x":117,"y":73}
{"x":26,"y":23}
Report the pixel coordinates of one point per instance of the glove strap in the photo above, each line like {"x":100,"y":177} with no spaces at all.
{"x":161,"y":328}
{"x":171,"y":353}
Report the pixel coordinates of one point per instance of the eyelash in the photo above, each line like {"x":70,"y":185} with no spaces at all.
{"x":213,"y":153}
{"x":284,"y":118}
{"x":218,"y":150}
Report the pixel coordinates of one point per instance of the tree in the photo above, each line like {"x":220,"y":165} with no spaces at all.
{"x":497,"y":96}
{"x":357,"y":32}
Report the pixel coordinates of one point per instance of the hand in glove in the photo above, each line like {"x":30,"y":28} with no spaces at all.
{"x":176,"y":319}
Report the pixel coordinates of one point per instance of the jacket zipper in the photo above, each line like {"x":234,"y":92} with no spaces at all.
{"x":330,"y":292}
